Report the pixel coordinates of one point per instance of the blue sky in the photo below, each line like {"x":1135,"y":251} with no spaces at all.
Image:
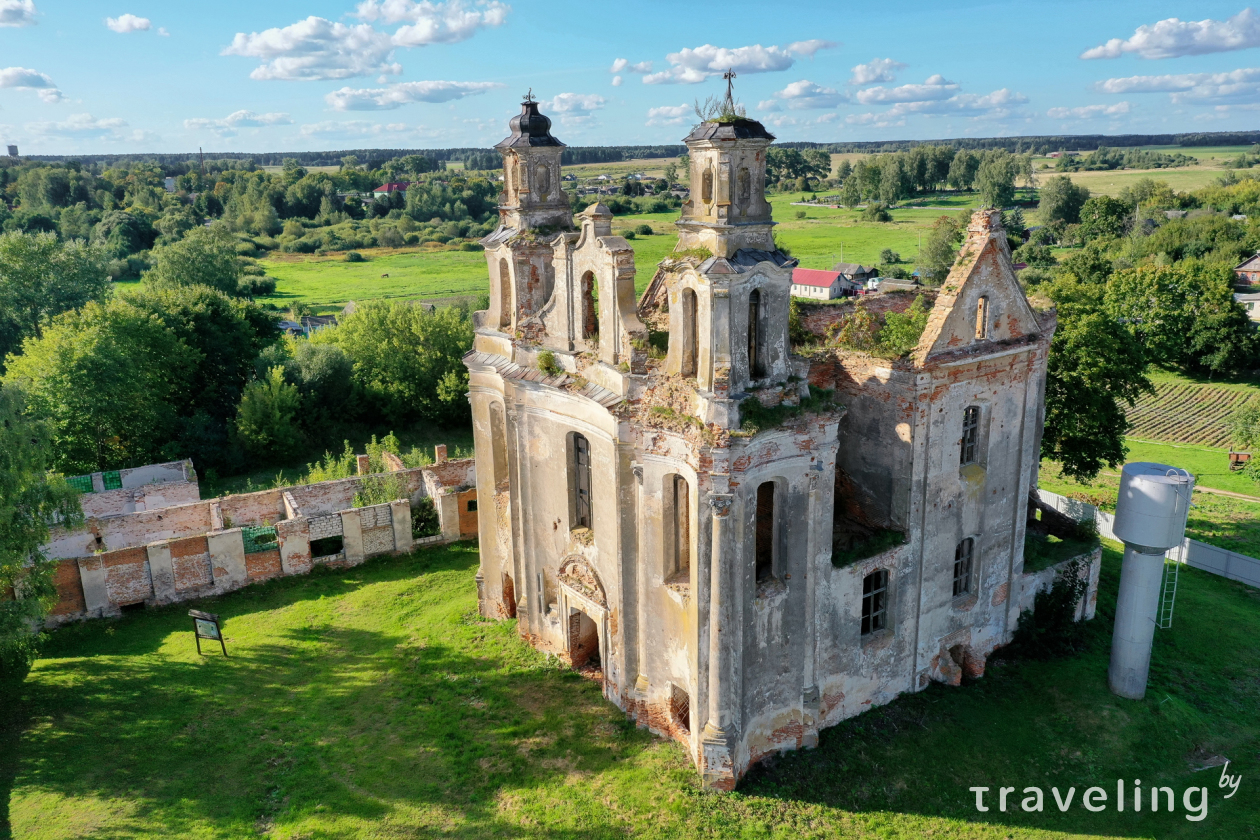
{"x":230,"y":75}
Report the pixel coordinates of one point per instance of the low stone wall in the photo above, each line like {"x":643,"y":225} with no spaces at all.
{"x":1033,"y":582}
{"x":178,"y":569}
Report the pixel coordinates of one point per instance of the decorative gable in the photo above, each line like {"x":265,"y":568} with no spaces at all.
{"x":981,"y":301}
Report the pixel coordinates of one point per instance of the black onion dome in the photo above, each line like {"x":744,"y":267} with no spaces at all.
{"x":529,"y":128}
{"x":741,"y":129}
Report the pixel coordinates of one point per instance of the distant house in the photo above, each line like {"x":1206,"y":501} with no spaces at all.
{"x":170,"y":184}
{"x":1251,"y":302}
{"x":1248,"y":271}
{"x":391,"y":187}
{"x":307,"y":326}
{"x":857,"y":273}
{"x":817,"y":284}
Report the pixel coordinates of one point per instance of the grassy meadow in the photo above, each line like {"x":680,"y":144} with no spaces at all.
{"x":374,"y":703}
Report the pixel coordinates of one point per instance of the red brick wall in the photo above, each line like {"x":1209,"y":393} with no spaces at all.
{"x":127,"y":576}
{"x":263,"y":565}
{"x":190,"y":563}
{"x":467,"y":518}
{"x":69,"y":589}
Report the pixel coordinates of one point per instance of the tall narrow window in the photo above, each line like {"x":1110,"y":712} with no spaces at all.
{"x":970,"y":435}
{"x":765,"y":531}
{"x":962,"y":567}
{"x":590,"y":306}
{"x":688,"y":332}
{"x":755,"y":364}
{"x":706,"y":185}
{"x":682,"y":526}
{"x":505,"y":295}
{"x":982,"y":318}
{"x":875,"y":601}
{"x":581,"y":482}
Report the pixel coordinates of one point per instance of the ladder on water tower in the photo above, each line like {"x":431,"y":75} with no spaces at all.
{"x":1168,"y":591}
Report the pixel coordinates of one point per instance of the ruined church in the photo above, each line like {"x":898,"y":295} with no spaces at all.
{"x":677,"y":490}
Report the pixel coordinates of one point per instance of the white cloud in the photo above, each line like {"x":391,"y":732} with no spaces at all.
{"x":1088,"y":112}
{"x":238,"y":119}
{"x":573,"y":108}
{"x":315,"y":49}
{"x":88,"y":127}
{"x":874,"y":120}
{"x":351,"y":128}
{"x":17,"y":13}
{"x":162,"y":31}
{"x":669,"y":114}
{"x":691,"y":66}
{"x":805,"y":94}
{"x":933,"y":88}
{"x":128,"y":23}
{"x":1235,"y":86}
{"x":433,"y":23}
{"x":769,"y":106}
{"x":876,"y":70}
{"x":1172,"y":37}
{"x":616,"y":81}
{"x":621,"y":65}
{"x":403,"y":93}
{"x":990,"y":105}
{"x":22,"y":78}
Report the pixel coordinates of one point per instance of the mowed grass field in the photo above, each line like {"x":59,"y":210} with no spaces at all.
{"x":330,"y":282}
{"x":374,"y":703}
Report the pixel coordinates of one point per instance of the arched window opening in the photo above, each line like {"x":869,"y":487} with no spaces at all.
{"x":505,"y":295}
{"x":875,"y":601}
{"x":689,"y":332}
{"x":580,"y":482}
{"x":982,"y":318}
{"x":679,"y":524}
{"x":962,"y":567}
{"x":765,"y":532}
{"x":680,"y":708}
{"x":756,"y":364}
{"x":590,"y":306}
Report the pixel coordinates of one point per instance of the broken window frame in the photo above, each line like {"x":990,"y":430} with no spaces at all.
{"x":982,"y":318}
{"x":680,"y":527}
{"x":580,"y":481}
{"x":964,"y":564}
{"x":970,"y":442}
{"x":875,"y":602}
{"x":756,"y":362}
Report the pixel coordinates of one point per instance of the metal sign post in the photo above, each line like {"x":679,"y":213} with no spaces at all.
{"x":207,"y":626}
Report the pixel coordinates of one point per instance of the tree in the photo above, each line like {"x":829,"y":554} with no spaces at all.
{"x":962,"y":170}
{"x":1061,"y":200}
{"x":41,"y":277}
{"x":995,"y":178}
{"x":671,"y":174}
{"x":107,"y":379}
{"x":31,"y":500}
{"x":1104,"y":217}
{"x":1095,"y":369}
{"x":940,"y":250}
{"x":324,"y":377}
{"x":121,"y":233}
{"x":408,"y":362}
{"x":844,"y":169}
{"x":889,"y":257}
{"x":1184,"y":315}
{"x":851,"y":193}
{"x":204,"y":257}
{"x":266,"y":420}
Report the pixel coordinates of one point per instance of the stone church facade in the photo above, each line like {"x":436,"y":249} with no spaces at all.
{"x":637,"y":527}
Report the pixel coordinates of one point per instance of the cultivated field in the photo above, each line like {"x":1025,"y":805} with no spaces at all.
{"x":1181,"y":411}
{"x":374,"y":703}
{"x":327,"y":283}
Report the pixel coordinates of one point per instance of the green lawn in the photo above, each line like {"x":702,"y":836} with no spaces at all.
{"x":413,"y":275}
{"x":373,"y":703}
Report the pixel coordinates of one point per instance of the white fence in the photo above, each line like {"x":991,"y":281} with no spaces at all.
{"x":1198,"y":555}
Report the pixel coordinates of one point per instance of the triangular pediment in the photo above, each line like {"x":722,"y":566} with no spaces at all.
{"x":982,"y":278}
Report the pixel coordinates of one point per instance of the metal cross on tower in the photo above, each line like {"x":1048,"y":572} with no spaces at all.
{"x":729,"y":75}
{"x":529,"y":97}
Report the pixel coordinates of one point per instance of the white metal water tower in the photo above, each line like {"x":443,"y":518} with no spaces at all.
{"x":1150,"y":519}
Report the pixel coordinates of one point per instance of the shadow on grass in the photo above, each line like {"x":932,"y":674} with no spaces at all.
{"x":337,"y":706}
{"x":1048,"y":723}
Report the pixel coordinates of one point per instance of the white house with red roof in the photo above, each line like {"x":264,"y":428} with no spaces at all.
{"x":817,"y":284}
{"x":391,"y":187}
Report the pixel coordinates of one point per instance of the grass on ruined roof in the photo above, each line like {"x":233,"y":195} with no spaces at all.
{"x":373,"y":703}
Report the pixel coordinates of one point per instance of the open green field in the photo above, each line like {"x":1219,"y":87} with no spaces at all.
{"x":373,"y":703}
{"x":413,"y":275}
{"x":1112,"y":182}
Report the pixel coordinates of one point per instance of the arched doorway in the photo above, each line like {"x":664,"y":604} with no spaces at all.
{"x":585,"y":608}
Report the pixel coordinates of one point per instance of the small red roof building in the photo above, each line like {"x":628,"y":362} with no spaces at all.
{"x":392,"y":187}
{"x":818,"y":284}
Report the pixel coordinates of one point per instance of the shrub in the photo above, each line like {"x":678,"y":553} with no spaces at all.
{"x":889,"y":257}
{"x":547,"y":363}
{"x":628,"y":234}
{"x":380,"y":489}
{"x":389,"y":237}
{"x":412,"y":239}
{"x":876,"y":212}
{"x":354,"y":256}
{"x":254,"y":286}
{"x":1050,"y":628}
{"x":471,"y":246}
{"x":643,"y":230}
{"x":424,"y":519}
{"x":800,"y":214}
